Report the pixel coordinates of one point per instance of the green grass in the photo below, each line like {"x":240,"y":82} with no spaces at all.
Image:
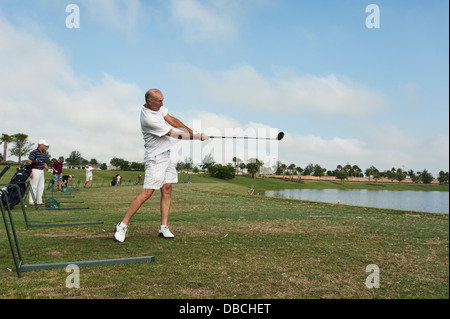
{"x":231,"y":245}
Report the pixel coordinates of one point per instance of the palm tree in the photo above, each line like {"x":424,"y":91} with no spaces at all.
{"x":236,"y":161}
{"x":258,"y":163}
{"x":283,"y":168}
{"x":400,"y":175}
{"x":348,"y":169}
{"x":188,"y":163}
{"x":443,"y":177}
{"x":5,"y":139}
{"x":291,"y":169}
{"x":426,"y":177}
{"x":242,"y":166}
{"x":376,"y":176}
{"x":299,"y":171}
{"x":356,"y":170}
{"x":252,"y":168}
{"x":22,"y":146}
{"x":370,"y":172}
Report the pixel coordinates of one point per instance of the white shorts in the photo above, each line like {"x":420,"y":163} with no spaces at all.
{"x":160,"y":170}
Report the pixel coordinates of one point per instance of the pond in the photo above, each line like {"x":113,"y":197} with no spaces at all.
{"x":433,"y":202}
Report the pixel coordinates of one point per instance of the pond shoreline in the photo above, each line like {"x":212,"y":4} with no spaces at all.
{"x":419,"y":201}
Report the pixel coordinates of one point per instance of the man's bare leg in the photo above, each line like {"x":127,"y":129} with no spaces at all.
{"x":166,"y":193}
{"x":137,"y":203}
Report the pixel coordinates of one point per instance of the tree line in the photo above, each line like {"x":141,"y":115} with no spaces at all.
{"x":341,"y":172}
{"x":22,"y":147}
{"x":75,"y":159}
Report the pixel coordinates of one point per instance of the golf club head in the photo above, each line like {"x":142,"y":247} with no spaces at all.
{"x":280,"y":136}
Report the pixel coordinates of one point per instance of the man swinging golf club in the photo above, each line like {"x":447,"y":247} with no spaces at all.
{"x":160,"y":173}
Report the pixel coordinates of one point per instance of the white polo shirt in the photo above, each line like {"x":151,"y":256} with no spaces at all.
{"x":154,"y":129}
{"x":89,"y":171}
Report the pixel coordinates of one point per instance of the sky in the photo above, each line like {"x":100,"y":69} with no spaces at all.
{"x":346,"y":82}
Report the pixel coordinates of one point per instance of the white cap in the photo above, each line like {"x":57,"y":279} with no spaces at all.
{"x":43,"y":142}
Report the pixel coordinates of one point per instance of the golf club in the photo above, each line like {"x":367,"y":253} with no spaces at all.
{"x":4,"y":171}
{"x":278,"y":138}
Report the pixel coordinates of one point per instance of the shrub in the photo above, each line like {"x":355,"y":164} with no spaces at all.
{"x":222,"y":171}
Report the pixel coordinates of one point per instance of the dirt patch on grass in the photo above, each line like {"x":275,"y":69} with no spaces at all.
{"x":103,"y":234}
{"x":286,"y":226}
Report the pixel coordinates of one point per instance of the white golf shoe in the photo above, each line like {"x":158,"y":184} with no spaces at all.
{"x":120,"y":232}
{"x":165,"y":232}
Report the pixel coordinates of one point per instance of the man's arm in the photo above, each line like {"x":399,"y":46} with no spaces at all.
{"x":186,"y":132}
{"x":30,"y":158}
{"x":174,"y":122}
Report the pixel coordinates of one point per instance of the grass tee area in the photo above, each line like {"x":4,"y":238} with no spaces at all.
{"x":231,"y":245}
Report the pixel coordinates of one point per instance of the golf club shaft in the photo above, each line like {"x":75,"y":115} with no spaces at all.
{"x":4,"y":171}
{"x":244,"y":137}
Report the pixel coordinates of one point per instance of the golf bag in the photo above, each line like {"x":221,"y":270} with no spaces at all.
{"x":11,"y":192}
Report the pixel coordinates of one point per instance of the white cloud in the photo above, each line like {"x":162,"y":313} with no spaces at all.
{"x":246,"y":89}
{"x":305,"y":149}
{"x":204,"y":20}
{"x":41,"y":96}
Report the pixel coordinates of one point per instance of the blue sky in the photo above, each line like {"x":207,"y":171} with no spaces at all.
{"x":342,"y":93}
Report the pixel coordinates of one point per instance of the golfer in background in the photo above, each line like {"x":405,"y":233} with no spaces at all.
{"x":37,"y":179}
{"x":89,"y":171}
{"x":157,"y":127}
{"x":57,"y":168}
